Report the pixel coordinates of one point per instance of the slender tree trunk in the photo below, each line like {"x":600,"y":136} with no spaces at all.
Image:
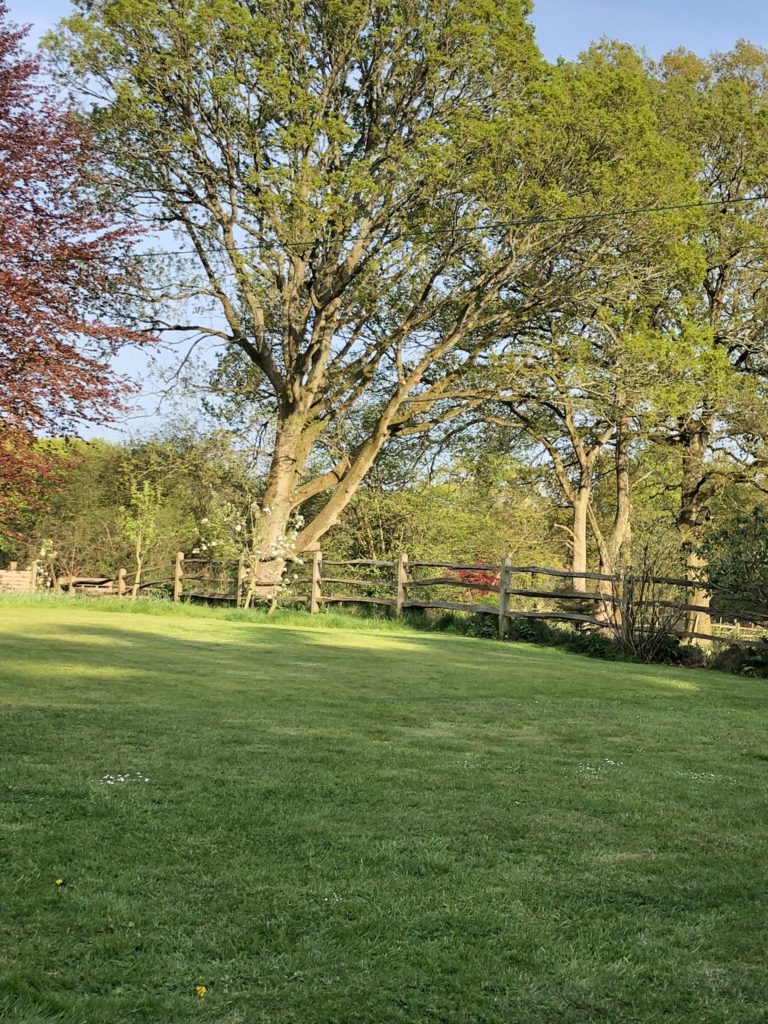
{"x":137,"y":577}
{"x":579,"y":528}
{"x":611,"y":550}
{"x":694,"y":494}
{"x":621,"y":529}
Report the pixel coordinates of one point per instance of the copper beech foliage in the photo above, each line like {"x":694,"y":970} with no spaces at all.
{"x":60,"y":270}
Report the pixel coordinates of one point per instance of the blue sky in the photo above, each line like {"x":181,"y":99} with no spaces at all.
{"x":564,"y":28}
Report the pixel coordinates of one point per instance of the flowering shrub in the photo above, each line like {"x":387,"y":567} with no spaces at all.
{"x":482,"y":577}
{"x":228,"y":533}
{"x":46,"y":565}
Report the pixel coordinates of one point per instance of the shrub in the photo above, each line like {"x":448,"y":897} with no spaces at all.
{"x":740,"y":661}
{"x":534,"y":631}
{"x":596,"y":645}
{"x":644,"y":616}
{"x":737,"y":557}
{"x":483,"y":626}
{"x":688,"y":656}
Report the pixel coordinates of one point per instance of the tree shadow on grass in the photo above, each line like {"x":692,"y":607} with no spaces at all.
{"x":167,"y":661}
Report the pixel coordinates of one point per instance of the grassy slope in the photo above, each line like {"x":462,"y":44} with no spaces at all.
{"x":370,"y":826}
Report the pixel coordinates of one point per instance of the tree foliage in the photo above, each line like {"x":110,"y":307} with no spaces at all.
{"x":58,"y":271}
{"x":361,"y":186}
{"x":408,"y":234}
{"x":737,"y":557}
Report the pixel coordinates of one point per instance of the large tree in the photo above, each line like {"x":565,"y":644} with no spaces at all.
{"x":582,"y":380}
{"x":719,"y":109}
{"x":58,"y":270}
{"x":360,"y":185}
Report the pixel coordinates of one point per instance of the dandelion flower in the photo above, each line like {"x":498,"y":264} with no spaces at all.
{"x":59,"y":882}
{"x":200,"y":991}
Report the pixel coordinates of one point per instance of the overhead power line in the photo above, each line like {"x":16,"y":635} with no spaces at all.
{"x":468,"y":229}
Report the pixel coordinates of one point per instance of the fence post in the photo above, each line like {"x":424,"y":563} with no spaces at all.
{"x":121,"y":588}
{"x":314,"y":595}
{"x":178,"y":576}
{"x":505,"y":578}
{"x":402,"y":581}
{"x":13,"y":566}
{"x":33,"y":574}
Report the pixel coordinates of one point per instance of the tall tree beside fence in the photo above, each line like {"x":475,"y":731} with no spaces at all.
{"x":360,"y":186}
{"x":719,"y":109}
{"x":589,"y":383}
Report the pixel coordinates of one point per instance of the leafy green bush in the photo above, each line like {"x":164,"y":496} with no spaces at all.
{"x":741,"y":661}
{"x":737,"y":556}
{"x":595,"y":645}
{"x":688,"y":656}
{"x":482,"y":626}
{"x":534,"y":631}
{"x":590,"y":643}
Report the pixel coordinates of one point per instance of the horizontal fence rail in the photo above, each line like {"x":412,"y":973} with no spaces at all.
{"x":503,"y":590}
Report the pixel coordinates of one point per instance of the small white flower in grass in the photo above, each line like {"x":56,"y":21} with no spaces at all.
{"x":116,"y":780}
{"x":591,"y":770}
{"x":706,"y":777}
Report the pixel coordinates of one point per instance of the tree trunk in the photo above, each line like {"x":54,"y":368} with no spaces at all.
{"x":270,"y":543}
{"x":139,"y":555}
{"x":267,"y":559}
{"x":693,"y":510}
{"x":621,"y":529}
{"x":579,"y":527}
{"x":343,"y":493}
{"x":284,"y":491}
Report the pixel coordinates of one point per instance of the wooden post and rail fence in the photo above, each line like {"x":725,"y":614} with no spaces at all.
{"x":401,"y":586}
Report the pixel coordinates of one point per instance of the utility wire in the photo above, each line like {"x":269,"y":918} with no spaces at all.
{"x":469,"y":229}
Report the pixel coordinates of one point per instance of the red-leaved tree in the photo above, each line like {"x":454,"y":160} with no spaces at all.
{"x":61,"y":271}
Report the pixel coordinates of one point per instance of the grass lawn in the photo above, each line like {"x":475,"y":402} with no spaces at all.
{"x":362,"y":824}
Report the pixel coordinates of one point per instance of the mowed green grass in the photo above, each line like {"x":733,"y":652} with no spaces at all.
{"x":370,"y":825}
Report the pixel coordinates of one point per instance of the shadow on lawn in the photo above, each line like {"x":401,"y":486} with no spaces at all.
{"x":286,"y":662}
